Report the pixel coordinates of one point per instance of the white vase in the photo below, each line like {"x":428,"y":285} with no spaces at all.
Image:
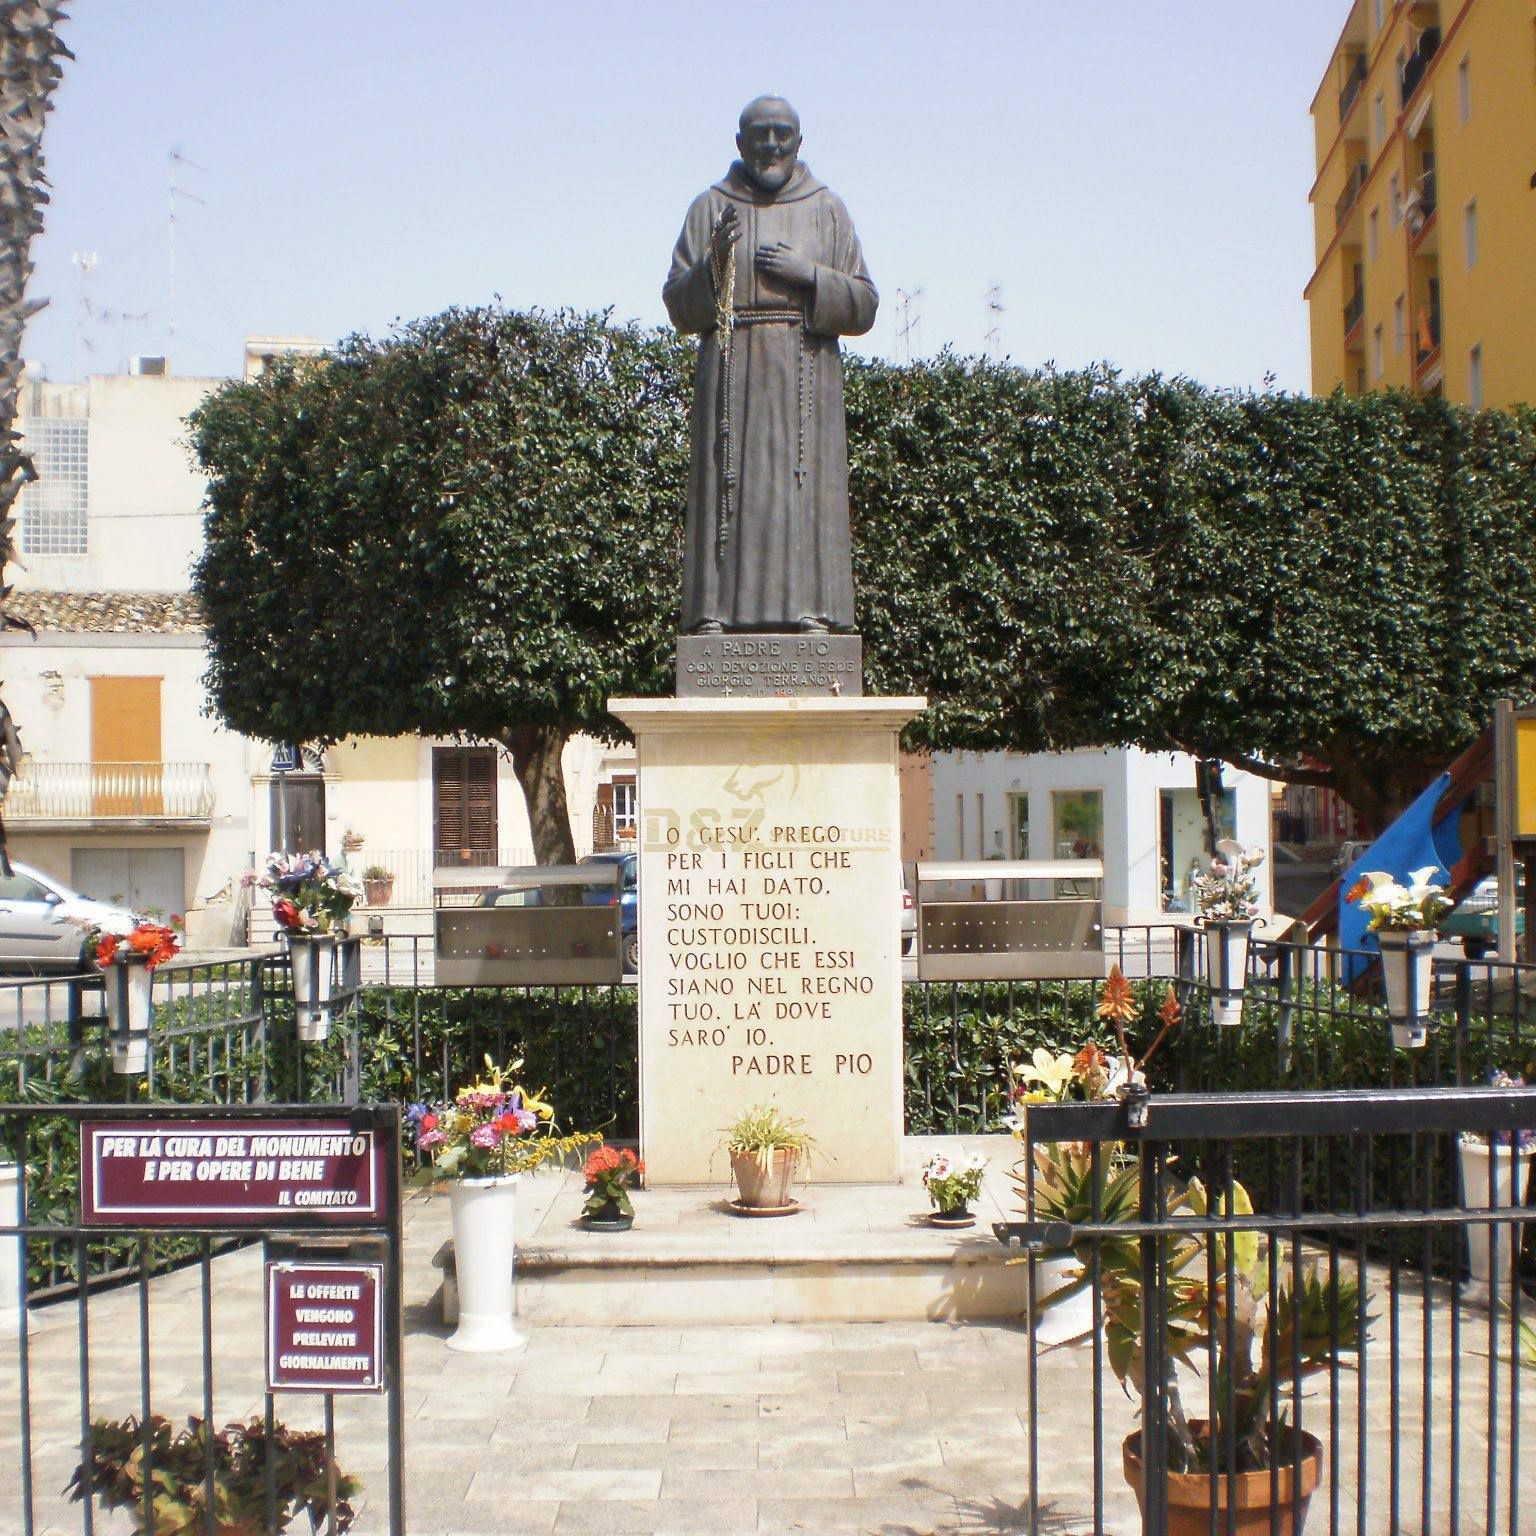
{"x":1408,"y":971}
{"x":1226,"y":969}
{"x":1507,"y":1192}
{"x":1066,"y":1320}
{"x":12,"y":1256}
{"x":127,"y":984}
{"x":309,"y":958}
{"x":484,"y":1227}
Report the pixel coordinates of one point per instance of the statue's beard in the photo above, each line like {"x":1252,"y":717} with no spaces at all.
{"x":773,"y":175}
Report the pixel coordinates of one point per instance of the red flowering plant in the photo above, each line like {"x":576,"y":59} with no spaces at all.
{"x":611,"y":1172}
{"x":492,"y":1129}
{"x":146,"y":943}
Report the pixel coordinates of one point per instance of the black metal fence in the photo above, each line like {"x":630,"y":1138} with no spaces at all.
{"x":1299,"y":1327}
{"x":88,"y":1384}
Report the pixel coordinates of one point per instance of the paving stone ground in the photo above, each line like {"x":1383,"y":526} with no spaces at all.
{"x":892,"y":1429}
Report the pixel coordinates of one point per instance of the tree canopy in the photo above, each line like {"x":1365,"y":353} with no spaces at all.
{"x":473,"y":527}
{"x":468,"y":528}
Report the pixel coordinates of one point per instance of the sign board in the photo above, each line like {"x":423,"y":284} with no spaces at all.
{"x":231,"y":1172}
{"x":1525,"y":776}
{"x":324,"y":1327}
{"x":285,"y":759}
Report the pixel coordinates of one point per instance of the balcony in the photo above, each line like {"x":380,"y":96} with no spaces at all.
{"x":120,"y":796}
{"x":1354,"y":83}
{"x":1417,"y":62}
{"x":1354,"y":313}
{"x":1419,"y":206}
{"x":1354,"y":185}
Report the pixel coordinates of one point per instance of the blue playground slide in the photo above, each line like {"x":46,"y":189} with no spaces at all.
{"x":1425,"y":834}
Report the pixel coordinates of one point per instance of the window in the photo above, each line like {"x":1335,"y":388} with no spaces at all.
{"x":1469,"y":232}
{"x":1378,"y":358}
{"x":464,"y":804}
{"x":1378,"y":14}
{"x":1464,"y":89}
{"x":1475,"y":379}
{"x":624,"y":807}
{"x":53,"y":506}
{"x":1379,"y":120}
{"x":1077,"y":817}
{"x":1373,"y":225}
{"x":1019,"y":824}
{"x":1397,"y":199}
{"x":1399,"y":323}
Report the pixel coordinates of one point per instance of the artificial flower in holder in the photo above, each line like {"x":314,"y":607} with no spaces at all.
{"x":610,"y":1173}
{"x":1403,"y":918}
{"x":490,"y":1135}
{"x":128,"y":961}
{"x":1226,"y":900}
{"x":1495,"y":1170}
{"x":952,"y":1183}
{"x":311,"y":902}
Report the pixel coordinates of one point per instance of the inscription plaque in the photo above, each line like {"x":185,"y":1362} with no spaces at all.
{"x":765,"y":666}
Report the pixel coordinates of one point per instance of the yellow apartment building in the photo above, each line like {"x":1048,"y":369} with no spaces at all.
{"x":1424,"y":206}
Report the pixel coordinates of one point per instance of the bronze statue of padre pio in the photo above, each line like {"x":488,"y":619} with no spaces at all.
{"x":769,"y":272}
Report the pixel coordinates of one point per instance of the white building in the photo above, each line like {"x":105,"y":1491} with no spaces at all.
{"x":1138,"y":811}
{"x":131,"y":789}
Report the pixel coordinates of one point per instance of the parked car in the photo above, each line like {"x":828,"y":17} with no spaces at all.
{"x":43,"y":923}
{"x":1476,"y":920}
{"x":1345,"y":855}
{"x":908,"y":920}
{"x":592,"y":896}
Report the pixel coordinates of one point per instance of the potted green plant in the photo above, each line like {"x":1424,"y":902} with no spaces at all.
{"x":177,"y":1477}
{"x":1403,"y":918}
{"x":1259,"y":1341}
{"x":378,"y":885}
{"x":611,"y":1172}
{"x":952,"y":1183}
{"x":766,"y":1148}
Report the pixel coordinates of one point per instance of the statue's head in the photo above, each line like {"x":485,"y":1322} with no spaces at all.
{"x":769,"y":141}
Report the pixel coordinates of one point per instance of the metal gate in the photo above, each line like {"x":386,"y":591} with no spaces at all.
{"x":1308,"y":1298}
{"x":232,"y":1265}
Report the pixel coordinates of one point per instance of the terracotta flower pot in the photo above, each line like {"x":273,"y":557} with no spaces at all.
{"x":765,"y":1182}
{"x":378,"y":890}
{"x":1189,"y":1493}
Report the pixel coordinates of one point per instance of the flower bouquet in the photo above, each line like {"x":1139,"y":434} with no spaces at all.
{"x":952,"y":1183}
{"x":309,"y":893}
{"x":493,"y":1132}
{"x":311,"y":901}
{"x":1403,"y":918}
{"x":1226,"y":900}
{"x":611,"y":1172}
{"x":127,"y":961}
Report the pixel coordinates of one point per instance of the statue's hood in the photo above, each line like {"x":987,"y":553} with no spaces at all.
{"x":737,"y":184}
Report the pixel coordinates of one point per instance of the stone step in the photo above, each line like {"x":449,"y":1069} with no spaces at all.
{"x":853,"y":1253}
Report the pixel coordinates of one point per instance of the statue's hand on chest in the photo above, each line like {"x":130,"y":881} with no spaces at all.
{"x":783,"y":267}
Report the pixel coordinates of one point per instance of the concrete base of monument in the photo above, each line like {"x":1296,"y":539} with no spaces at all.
{"x":770,"y":953}
{"x":855,"y":1253}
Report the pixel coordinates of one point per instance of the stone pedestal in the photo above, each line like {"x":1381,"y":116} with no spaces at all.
{"x":770,"y":916}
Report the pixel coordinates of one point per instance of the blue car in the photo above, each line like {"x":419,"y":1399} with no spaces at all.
{"x":629,"y":903}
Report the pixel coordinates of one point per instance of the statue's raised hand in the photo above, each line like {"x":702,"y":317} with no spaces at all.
{"x":725,"y":234}
{"x":783,"y":262}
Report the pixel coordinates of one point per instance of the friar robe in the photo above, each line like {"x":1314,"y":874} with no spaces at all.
{"x":767,"y":542}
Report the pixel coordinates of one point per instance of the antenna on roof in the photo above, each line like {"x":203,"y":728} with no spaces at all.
{"x":994,"y":333}
{"x":176,"y":159}
{"x":909,"y":324}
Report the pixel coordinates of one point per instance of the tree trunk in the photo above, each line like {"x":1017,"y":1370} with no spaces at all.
{"x":536,"y":760}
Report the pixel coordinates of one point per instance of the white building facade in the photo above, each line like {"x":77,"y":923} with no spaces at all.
{"x":1138,"y":811}
{"x":131,"y":789}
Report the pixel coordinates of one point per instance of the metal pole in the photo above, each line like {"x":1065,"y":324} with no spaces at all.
{"x":1504,"y":823}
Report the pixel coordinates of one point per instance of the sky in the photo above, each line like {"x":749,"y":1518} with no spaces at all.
{"x":1131,"y":177}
